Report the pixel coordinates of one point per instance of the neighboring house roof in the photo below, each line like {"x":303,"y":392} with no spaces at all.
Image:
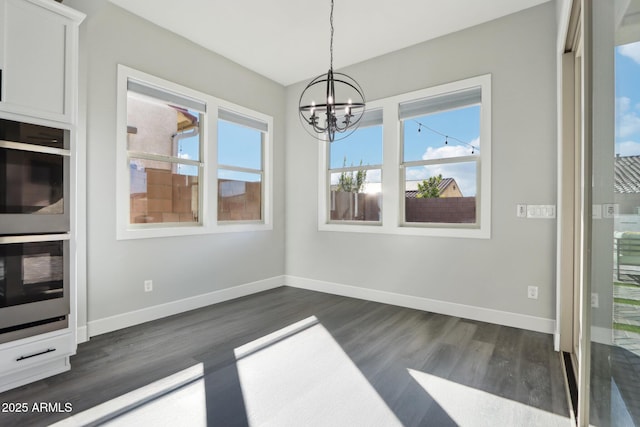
{"x":186,"y":120}
{"x":412,"y":187}
{"x":627,"y":174}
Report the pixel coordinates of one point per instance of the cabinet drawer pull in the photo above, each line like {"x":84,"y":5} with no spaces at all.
{"x":49,"y":350}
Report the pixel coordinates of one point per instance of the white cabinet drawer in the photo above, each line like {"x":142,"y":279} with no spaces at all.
{"x":32,"y":353}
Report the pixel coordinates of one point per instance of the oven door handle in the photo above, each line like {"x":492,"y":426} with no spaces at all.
{"x":30,"y":238}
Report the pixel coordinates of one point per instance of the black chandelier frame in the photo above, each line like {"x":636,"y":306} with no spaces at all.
{"x":339,"y":117}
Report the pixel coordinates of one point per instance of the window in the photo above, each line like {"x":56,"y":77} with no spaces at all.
{"x":355,"y":173}
{"x":188,"y":163}
{"x":440,"y":161}
{"x":164,"y":152}
{"x":436,"y":166}
{"x":445,"y":159}
{"x":240,"y":167}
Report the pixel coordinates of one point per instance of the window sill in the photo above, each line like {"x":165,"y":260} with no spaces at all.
{"x":188,"y":230}
{"x":407,"y":230}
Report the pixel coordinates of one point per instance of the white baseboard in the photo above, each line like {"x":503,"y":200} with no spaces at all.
{"x":82,"y":334}
{"x":516,"y":320}
{"x":120,"y":321}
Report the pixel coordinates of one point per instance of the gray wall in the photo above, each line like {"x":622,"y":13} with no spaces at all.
{"x":180,"y":267}
{"x":519,"y":52}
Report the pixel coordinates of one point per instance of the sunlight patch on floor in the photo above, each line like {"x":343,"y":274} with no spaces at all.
{"x":301,"y":376}
{"x":470,"y":407}
{"x":176,"y":400}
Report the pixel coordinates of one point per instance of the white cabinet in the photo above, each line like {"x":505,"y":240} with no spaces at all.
{"x":38,"y":58}
{"x":31,"y":359}
{"x":39,"y":85}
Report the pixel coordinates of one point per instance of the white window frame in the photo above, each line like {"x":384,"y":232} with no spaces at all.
{"x":349,"y":169}
{"x":240,"y":114}
{"x":209,"y":184}
{"x":393,"y":184}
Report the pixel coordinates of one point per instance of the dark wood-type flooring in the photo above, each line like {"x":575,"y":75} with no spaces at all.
{"x":382,"y":341}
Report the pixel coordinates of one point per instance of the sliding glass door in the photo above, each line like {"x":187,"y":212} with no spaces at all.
{"x":609,"y":238}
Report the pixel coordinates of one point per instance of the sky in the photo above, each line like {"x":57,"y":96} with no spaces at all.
{"x":461,"y":125}
{"x":238,"y":146}
{"x":627,"y":75}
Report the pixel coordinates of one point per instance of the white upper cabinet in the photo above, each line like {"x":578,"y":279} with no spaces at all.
{"x":38,"y":58}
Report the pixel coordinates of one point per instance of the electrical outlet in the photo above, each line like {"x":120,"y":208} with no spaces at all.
{"x":532,"y":292}
{"x":148,"y":285}
{"x":610,"y":210}
{"x":595,"y":301}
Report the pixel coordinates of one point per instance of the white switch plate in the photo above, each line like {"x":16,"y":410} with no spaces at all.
{"x":541,"y":211}
{"x":521,"y":211}
{"x":596,"y":212}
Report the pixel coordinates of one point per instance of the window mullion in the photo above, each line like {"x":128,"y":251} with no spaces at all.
{"x":162,"y":158}
{"x":355,"y":168}
{"x":392,"y":156}
{"x":448,"y":160}
{"x":240,"y":169}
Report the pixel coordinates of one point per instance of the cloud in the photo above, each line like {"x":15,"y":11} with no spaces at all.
{"x":631,"y":51}
{"x":374,"y":175}
{"x":628,"y":148}
{"x":627,"y":118}
{"x":623,"y":104}
{"x":448,"y":151}
{"x":463,"y":173}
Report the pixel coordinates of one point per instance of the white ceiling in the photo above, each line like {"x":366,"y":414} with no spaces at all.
{"x":288,"y":40}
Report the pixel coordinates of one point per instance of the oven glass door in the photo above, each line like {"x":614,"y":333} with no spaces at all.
{"x":33,"y":278}
{"x":34,"y":179}
{"x":31,"y":182}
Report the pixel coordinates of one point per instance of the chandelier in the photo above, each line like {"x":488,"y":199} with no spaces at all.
{"x":331,"y":115}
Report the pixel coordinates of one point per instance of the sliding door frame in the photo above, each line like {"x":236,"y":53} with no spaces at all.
{"x":575,"y":169}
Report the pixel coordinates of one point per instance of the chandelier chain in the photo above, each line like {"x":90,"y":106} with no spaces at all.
{"x":331,"y":40}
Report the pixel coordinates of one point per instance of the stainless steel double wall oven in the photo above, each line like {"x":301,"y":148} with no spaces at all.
{"x":34,"y":229}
